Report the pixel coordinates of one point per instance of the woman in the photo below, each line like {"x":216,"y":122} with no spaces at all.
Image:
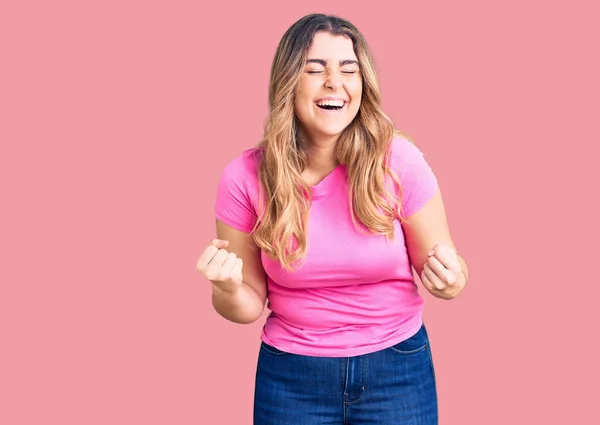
{"x":325,"y":218}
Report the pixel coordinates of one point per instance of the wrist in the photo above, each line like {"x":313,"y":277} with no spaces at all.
{"x":228,"y":292}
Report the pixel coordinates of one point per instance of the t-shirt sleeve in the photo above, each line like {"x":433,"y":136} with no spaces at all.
{"x":417,"y":179}
{"x":234,"y":205}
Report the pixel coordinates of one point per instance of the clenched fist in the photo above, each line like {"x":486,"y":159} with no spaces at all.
{"x":442,"y":273}
{"x":222,"y":268}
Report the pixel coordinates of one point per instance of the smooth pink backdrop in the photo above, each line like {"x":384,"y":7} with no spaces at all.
{"x":116,"y":118}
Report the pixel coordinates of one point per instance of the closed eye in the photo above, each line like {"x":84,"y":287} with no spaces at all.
{"x":348,"y":72}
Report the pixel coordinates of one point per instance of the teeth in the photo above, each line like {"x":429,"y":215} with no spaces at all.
{"x":338,"y":103}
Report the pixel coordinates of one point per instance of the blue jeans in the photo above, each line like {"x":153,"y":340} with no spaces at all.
{"x":391,"y":386}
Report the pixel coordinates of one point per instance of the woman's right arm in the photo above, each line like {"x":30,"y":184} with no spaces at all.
{"x":238,"y":279}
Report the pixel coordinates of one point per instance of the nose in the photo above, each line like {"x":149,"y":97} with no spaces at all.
{"x":333,"y":81}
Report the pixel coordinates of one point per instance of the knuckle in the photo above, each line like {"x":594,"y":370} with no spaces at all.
{"x":222,"y":276}
{"x":212,"y":274}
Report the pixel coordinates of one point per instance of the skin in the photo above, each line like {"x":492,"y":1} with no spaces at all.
{"x":331,"y":70}
{"x":432,"y":251}
{"x":232,"y":262}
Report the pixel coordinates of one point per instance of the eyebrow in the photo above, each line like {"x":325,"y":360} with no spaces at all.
{"x":342,"y":62}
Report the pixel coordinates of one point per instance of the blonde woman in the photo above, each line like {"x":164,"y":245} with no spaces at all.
{"x":324,"y":218}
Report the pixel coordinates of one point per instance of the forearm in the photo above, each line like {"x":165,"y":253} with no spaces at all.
{"x":242,"y":306}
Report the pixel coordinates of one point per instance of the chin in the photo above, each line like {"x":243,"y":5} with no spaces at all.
{"x":329,"y":132}
{"x":332,"y":129}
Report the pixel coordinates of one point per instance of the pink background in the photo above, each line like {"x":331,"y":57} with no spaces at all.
{"x":109,"y":112}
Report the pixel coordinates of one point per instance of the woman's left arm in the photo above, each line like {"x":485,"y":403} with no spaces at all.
{"x":432,"y":252}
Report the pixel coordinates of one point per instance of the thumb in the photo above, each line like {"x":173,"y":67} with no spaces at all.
{"x":220,"y":243}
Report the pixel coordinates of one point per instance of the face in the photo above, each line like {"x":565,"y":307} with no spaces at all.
{"x":329,"y":93}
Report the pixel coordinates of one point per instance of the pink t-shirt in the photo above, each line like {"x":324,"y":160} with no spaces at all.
{"x":355,"y":293}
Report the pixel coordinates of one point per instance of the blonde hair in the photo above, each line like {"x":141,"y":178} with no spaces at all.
{"x":363,"y":147}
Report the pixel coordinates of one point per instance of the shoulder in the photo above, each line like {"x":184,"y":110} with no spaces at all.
{"x":237,"y":190}
{"x":404,"y":153}
{"x":239,"y":177}
{"x":417,"y":180}
{"x":244,"y":165}
{"x":241,"y":173}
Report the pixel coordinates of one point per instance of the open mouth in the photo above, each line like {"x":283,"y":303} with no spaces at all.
{"x":330,"y":108}
{"x":331,"y":105}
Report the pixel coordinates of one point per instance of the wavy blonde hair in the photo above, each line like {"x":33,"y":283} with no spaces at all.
{"x":363,"y":147}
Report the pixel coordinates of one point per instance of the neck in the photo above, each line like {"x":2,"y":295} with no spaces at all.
{"x":321,"y":159}
{"x":321,"y":154}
